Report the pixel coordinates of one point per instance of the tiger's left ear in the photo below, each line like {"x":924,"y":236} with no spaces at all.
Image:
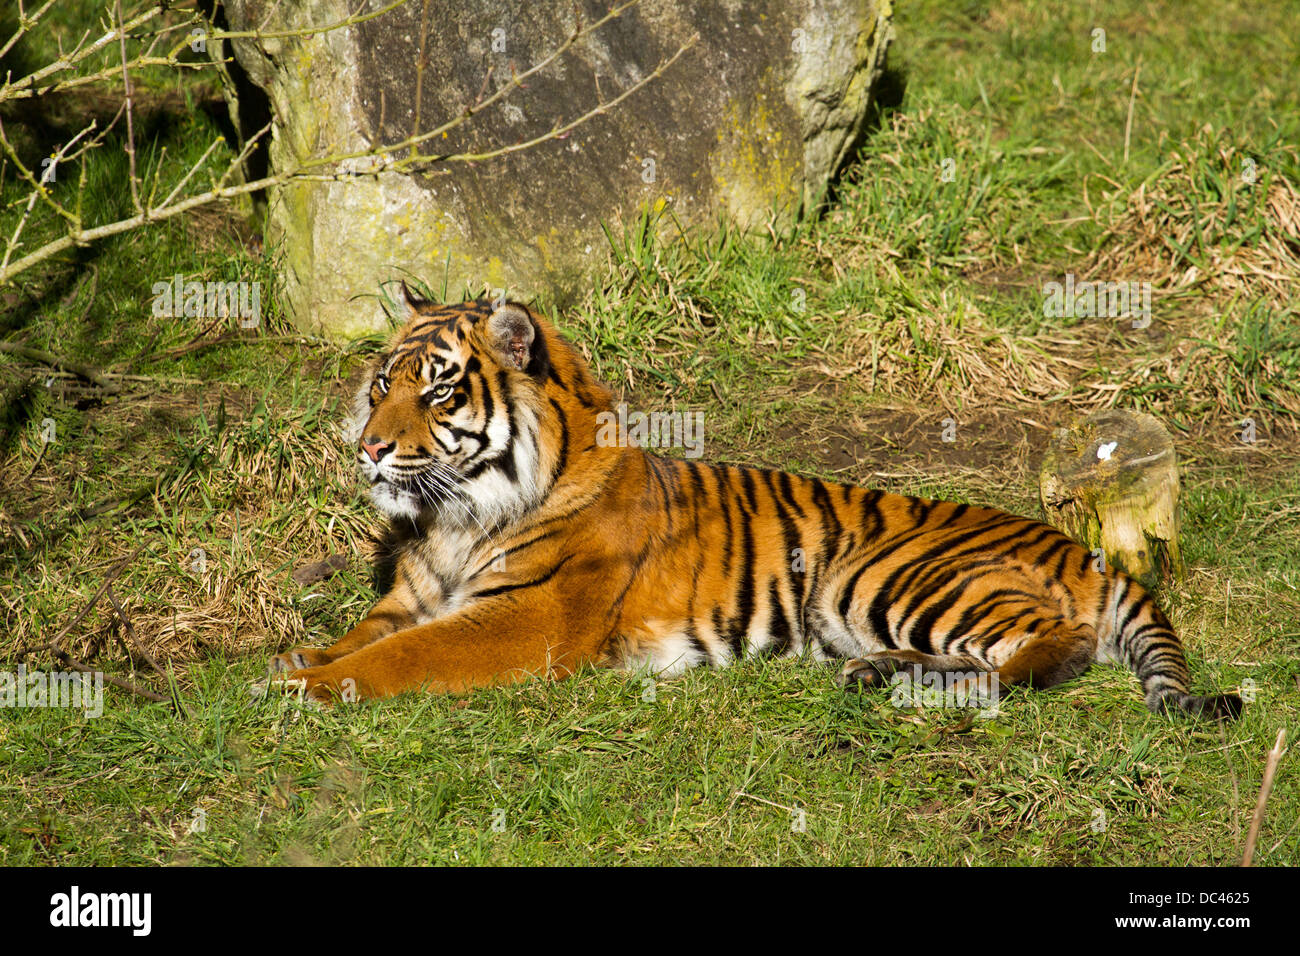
{"x":510,"y":330}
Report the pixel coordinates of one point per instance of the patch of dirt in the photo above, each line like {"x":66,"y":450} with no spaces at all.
{"x":832,"y":425}
{"x":219,"y":227}
{"x":1010,"y":278}
{"x":877,"y":440}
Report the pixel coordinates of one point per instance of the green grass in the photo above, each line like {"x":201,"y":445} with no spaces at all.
{"x":835,"y":349}
{"x":712,"y":768}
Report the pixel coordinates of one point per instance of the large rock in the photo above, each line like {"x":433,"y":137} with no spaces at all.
{"x":754,"y":118}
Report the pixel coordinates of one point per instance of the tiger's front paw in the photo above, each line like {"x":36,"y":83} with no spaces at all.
{"x":315,"y":686}
{"x":310,"y":689}
{"x":298,"y":659}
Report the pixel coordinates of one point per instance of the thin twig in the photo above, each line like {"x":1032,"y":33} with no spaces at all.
{"x":224,"y":339}
{"x":89,"y":373}
{"x":69,"y":661}
{"x":45,"y":446}
{"x":517,"y":81}
{"x":39,"y":189}
{"x":129,"y":93}
{"x":151,"y":379}
{"x":238,"y":162}
{"x":24,"y":26}
{"x":1265,"y":787}
{"x":750,"y":796}
{"x":29,"y":86}
{"x":130,"y":633}
{"x":113,"y":573}
{"x":1132,"y":97}
{"x":556,"y":132}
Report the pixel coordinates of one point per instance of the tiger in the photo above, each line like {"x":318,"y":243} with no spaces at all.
{"x":525,"y":546}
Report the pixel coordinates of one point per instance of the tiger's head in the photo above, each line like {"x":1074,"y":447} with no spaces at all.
{"x":449,"y":417}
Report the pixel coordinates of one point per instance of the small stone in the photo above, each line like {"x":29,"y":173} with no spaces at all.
{"x":320,"y":570}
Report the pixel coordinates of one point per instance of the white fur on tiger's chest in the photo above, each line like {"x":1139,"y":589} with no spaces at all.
{"x":445,"y":555}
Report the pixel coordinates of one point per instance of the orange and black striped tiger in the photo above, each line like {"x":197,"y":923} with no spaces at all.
{"x":527,"y":547}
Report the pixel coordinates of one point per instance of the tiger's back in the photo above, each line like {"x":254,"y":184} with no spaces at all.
{"x":533,"y":548}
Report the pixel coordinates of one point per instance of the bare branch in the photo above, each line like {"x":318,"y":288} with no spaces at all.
{"x":305,"y":31}
{"x":1272,"y":759}
{"x":130,"y":632}
{"x":39,"y":191}
{"x":580,"y":32}
{"x":24,"y":27}
{"x":87,"y":372}
{"x":29,"y":85}
{"x":560,"y":131}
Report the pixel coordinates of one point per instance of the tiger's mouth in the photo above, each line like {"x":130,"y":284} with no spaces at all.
{"x":426,"y":490}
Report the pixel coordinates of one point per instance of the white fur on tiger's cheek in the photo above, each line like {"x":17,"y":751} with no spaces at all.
{"x":351,"y":428}
{"x":354,"y":423}
{"x":494,"y":496}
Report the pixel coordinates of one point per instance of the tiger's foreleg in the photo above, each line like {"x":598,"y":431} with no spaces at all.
{"x":385,"y":618}
{"x":485,"y":644}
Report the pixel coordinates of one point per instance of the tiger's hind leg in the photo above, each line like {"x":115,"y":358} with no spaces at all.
{"x":959,"y":680}
{"x":1050,"y":654}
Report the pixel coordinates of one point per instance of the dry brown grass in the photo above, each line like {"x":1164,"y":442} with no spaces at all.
{"x":211,"y":580}
{"x":1205,"y":222}
{"x":1222,"y":257}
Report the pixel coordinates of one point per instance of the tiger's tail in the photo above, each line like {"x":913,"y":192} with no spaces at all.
{"x":1144,"y":640}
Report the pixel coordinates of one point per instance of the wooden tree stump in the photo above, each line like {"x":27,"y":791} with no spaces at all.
{"x":1111,"y":483}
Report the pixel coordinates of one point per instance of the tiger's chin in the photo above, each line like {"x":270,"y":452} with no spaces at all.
{"x":396,"y":502}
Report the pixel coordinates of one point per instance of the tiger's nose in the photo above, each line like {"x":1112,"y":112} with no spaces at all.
{"x":376,"y":448}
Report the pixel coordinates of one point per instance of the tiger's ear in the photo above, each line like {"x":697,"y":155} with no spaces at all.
{"x":409,"y":305}
{"x":511,"y":332}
